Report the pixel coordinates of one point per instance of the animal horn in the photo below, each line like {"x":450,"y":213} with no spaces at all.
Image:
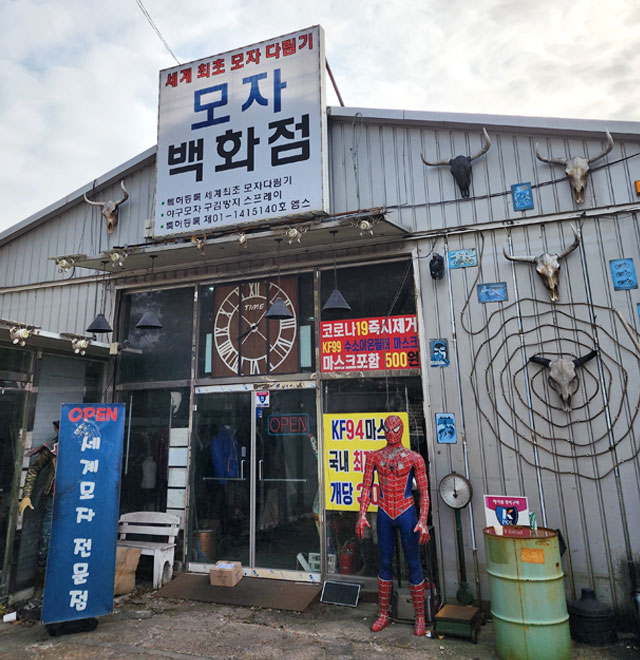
{"x":585,"y":358}
{"x":545,"y":362}
{"x":573,"y":246}
{"x":88,"y":201}
{"x":485,"y":148}
{"x":606,"y":150}
{"x":555,"y":161}
{"x":125,"y":197}
{"x":435,"y":163}
{"x":529,"y":259}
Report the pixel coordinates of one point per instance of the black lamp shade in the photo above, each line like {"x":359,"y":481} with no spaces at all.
{"x":149,"y":321}
{"x":336,"y":302}
{"x":278,"y":310}
{"x":99,"y":325}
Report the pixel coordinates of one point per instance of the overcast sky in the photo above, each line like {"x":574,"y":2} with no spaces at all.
{"x":79,"y":78}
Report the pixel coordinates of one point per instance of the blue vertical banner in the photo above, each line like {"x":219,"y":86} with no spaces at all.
{"x":82,"y":551}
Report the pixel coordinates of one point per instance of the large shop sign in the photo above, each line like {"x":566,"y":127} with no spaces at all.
{"x":242,"y":136}
{"x":348,"y":438}
{"x":82,"y":551}
{"x":383,"y":342}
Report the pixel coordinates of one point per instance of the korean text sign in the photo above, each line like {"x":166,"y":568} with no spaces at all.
{"x":348,"y":438}
{"x":383,"y":342}
{"x":242,"y":136}
{"x":82,"y":551}
{"x":506,"y":510}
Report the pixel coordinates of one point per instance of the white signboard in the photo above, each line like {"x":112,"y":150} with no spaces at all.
{"x":242,"y":137}
{"x":506,"y":510}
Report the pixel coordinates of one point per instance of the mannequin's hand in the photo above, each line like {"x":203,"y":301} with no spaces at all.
{"x":24,"y":503}
{"x":360,"y":525}
{"x":422,"y":530}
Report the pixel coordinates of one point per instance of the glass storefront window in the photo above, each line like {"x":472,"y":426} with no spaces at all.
{"x":375,"y":290}
{"x":14,"y":360}
{"x":361,"y":396}
{"x":236,"y":339}
{"x":165,"y":352}
{"x":156,"y":424}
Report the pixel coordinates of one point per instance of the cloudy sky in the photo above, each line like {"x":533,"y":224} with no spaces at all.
{"x":79,"y":78}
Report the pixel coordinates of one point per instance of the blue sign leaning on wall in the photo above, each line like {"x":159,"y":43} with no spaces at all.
{"x":623,"y":274}
{"x":82,"y":551}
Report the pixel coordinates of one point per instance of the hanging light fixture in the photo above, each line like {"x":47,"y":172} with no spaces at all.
{"x":278,"y":310}
{"x":149,"y":320}
{"x":100,"y":325}
{"x":335,"y":301}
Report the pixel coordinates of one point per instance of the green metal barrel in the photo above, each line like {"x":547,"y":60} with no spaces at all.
{"x":528,"y":601}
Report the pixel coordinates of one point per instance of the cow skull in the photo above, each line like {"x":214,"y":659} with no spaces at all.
{"x":577,"y":167}
{"x":461,"y":165}
{"x":547,"y":265}
{"x":562,"y":375}
{"x":110,"y":209}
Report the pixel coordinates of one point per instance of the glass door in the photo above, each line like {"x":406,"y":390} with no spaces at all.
{"x":287,"y":498}
{"x":254,"y":479}
{"x":220,"y":509}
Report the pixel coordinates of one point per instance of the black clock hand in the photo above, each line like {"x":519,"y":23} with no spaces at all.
{"x":252,"y":327}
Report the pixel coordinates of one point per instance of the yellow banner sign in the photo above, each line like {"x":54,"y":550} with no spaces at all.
{"x":348,"y":438}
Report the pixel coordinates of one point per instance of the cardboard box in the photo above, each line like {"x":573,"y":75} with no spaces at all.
{"x":226,"y":574}
{"x":126,"y":564}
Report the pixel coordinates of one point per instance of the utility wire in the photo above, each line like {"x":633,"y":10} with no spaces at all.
{"x":155,"y":29}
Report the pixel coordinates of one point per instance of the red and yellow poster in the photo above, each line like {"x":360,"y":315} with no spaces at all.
{"x":382,"y":342}
{"x":348,"y":438}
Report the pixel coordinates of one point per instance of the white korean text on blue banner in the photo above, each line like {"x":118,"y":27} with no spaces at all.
{"x":82,"y":551}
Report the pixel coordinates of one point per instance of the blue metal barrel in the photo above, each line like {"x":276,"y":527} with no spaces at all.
{"x":528,"y":601}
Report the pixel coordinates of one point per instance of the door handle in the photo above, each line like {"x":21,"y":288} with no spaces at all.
{"x":242,"y":470}
{"x":260,"y":462}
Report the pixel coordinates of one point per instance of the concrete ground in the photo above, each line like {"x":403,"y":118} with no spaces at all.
{"x":143,"y":626}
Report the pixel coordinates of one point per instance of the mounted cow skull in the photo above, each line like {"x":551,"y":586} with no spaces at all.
{"x":547,"y":265}
{"x":110,"y":209}
{"x":562,"y":375}
{"x":577,"y":167}
{"x":461,"y":165}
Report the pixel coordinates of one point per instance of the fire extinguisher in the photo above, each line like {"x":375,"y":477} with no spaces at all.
{"x":348,"y":557}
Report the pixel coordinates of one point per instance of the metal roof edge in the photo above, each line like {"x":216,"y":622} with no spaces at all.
{"x":473,"y":120}
{"x":109,"y":177}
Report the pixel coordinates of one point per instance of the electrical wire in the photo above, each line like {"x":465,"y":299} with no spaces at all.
{"x":156,"y":30}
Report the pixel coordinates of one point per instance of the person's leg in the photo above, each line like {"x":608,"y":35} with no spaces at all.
{"x":385,"y":548}
{"x":411,"y":547}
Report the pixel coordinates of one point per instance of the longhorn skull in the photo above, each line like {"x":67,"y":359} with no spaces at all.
{"x":562,"y":375}
{"x":577,"y":167}
{"x":110,"y":209}
{"x":547,"y":265}
{"x":461,"y":165}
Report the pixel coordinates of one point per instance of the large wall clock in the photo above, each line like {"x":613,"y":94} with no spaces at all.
{"x":245,"y":342}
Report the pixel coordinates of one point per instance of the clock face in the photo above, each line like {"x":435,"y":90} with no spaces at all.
{"x":245,"y":341}
{"x":455,"y":490}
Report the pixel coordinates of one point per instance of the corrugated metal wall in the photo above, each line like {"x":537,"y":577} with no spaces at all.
{"x":378,"y":163}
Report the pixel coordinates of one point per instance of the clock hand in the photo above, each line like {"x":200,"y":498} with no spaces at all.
{"x":252,"y":327}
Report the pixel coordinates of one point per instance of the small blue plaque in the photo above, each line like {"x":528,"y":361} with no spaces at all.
{"x":623,"y":274}
{"x":446,"y":428}
{"x":522,"y":196}
{"x":492,"y":292}
{"x":463,"y":258}
{"x":439,"y":350}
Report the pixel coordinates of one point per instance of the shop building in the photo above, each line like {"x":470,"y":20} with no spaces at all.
{"x":229,"y":414}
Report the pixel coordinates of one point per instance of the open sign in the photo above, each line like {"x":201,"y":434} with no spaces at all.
{"x":288,"y":424}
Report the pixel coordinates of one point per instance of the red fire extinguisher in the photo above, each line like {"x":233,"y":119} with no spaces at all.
{"x":348,"y":557}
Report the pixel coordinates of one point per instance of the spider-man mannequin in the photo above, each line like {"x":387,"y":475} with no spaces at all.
{"x":397,"y":466}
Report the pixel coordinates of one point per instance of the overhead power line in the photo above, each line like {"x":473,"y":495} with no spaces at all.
{"x":155,"y":29}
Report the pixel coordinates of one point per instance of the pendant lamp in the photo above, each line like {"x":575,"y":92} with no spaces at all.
{"x":149,"y":320}
{"x":278,"y":310}
{"x":335,"y":301}
{"x":100,"y":325}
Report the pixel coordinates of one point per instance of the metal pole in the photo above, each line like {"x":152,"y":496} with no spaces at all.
{"x":532,"y":423}
{"x":463,"y":434}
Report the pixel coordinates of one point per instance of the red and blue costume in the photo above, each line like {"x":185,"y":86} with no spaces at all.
{"x":397,"y":467}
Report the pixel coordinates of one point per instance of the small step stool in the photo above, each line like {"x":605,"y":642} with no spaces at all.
{"x":459,"y":621}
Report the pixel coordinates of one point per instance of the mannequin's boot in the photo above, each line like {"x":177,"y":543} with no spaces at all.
{"x":384,"y":599}
{"x":417,"y":594}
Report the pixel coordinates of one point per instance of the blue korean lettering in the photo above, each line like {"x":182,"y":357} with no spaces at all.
{"x":341,"y":493}
{"x":256,"y":95}
{"x":200,"y":106}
